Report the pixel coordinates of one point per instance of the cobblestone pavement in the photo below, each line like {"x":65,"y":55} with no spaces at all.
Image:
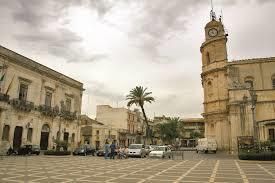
{"x":194,"y":168}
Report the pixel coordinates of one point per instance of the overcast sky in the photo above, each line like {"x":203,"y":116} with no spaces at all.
{"x":114,"y":45}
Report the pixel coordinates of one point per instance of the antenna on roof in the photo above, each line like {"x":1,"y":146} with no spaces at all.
{"x":221,"y":17}
{"x":212,"y":13}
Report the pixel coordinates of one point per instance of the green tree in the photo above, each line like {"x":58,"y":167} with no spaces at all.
{"x":195,"y":135}
{"x":170,"y":130}
{"x":139,"y":96}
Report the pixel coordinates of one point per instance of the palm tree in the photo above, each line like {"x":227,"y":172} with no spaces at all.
{"x":139,"y":96}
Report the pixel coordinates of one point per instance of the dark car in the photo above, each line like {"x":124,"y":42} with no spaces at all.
{"x":29,"y":149}
{"x":101,"y":152}
{"x":84,"y":150}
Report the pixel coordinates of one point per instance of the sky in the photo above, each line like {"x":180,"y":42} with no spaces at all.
{"x":111,"y":46}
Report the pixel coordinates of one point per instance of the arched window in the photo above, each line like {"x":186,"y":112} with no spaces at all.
{"x":249,"y":82}
{"x":45,"y":128}
{"x":6,"y":133}
{"x":209,"y":88}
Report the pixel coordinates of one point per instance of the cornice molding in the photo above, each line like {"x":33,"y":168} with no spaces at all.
{"x":25,"y":62}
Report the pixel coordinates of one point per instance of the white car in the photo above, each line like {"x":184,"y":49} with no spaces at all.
{"x":136,"y":150}
{"x":161,"y":152}
{"x":206,"y":144}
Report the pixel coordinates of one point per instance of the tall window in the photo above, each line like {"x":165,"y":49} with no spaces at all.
{"x":29,"y":135}
{"x":271,"y":133}
{"x":207,"y":58}
{"x":23,"y":91}
{"x":68,"y":104}
{"x":73,"y":136}
{"x":48,"y":99}
{"x":6,"y":132}
{"x":273,"y":83}
{"x":97,"y":132}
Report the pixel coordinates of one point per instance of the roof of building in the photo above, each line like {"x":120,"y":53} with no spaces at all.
{"x":35,"y":66}
{"x":252,"y":60}
{"x":89,"y":121}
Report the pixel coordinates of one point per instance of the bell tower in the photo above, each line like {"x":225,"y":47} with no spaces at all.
{"x":214,"y":82}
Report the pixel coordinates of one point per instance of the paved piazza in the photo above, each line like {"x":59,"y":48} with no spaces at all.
{"x":194,"y":168}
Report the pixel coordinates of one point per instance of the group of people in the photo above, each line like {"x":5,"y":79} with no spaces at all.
{"x":111,"y":150}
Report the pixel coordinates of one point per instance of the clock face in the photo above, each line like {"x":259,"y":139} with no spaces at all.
{"x":212,"y":32}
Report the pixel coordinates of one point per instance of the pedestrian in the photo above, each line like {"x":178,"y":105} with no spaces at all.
{"x":126,"y":151}
{"x":113,"y":149}
{"x":106,"y":149}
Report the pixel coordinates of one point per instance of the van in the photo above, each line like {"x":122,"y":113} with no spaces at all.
{"x":206,"y":144}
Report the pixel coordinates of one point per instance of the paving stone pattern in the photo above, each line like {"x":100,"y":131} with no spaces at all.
{"x":46,"y":169}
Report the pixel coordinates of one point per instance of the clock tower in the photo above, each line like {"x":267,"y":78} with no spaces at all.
{"x":214,"y":82}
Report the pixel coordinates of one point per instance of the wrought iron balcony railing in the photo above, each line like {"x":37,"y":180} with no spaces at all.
{"x":22,"y":105}
{"x":48,"y":110}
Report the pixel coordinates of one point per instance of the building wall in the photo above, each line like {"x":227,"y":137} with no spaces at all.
{"x":260,"y":71}
{"x":39,"y":78}
{"x":113,"y":117}
{"x":128,"y":124}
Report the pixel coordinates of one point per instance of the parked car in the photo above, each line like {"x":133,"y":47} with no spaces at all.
{"x":161,"y":152}
{"x":206,"y":144}
{"x":100,"y":152}
{"x":136,"y":150}
{"x":84,"y":150}
{"x":29,"y":149}
{"x":149,"y":148}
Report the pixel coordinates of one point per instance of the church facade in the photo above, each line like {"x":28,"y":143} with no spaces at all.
{"x":239,"y":96}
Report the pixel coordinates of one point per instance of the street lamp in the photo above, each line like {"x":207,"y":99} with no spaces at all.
{"x":253,"y":96}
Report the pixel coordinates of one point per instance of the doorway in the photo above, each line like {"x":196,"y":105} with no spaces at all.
{"x":66,"y":136}
{"x":17,"y":137}
{"x":44,"y":140}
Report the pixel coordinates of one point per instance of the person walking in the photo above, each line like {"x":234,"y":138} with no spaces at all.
{"x":113,"y":149}
{"x":106,"y":149}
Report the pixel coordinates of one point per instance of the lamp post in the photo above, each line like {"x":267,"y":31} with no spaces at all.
{"x":253,"y":96}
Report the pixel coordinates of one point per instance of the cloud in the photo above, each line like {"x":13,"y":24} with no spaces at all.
{"x":43,"y":31}
{"x":100,"y":90}
{"x":159,"y":21}
{"x":61,"y":43}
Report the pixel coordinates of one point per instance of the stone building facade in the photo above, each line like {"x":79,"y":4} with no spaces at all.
{"x":37,"y":104}
{"x":239,"y":96}
{"x":128,"y":124}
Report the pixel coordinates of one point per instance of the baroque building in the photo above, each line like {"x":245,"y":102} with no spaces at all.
{"x":37,"y":104}
{"x":239,"y":96}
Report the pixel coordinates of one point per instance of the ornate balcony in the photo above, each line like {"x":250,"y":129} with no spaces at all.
{"x":22,"y":105}
{"x":48,"y":111}
{"x":67,"y":115}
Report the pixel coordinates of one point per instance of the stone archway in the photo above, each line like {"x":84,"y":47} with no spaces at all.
{"x":86,"y":133}
{"x":44,"y":140}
